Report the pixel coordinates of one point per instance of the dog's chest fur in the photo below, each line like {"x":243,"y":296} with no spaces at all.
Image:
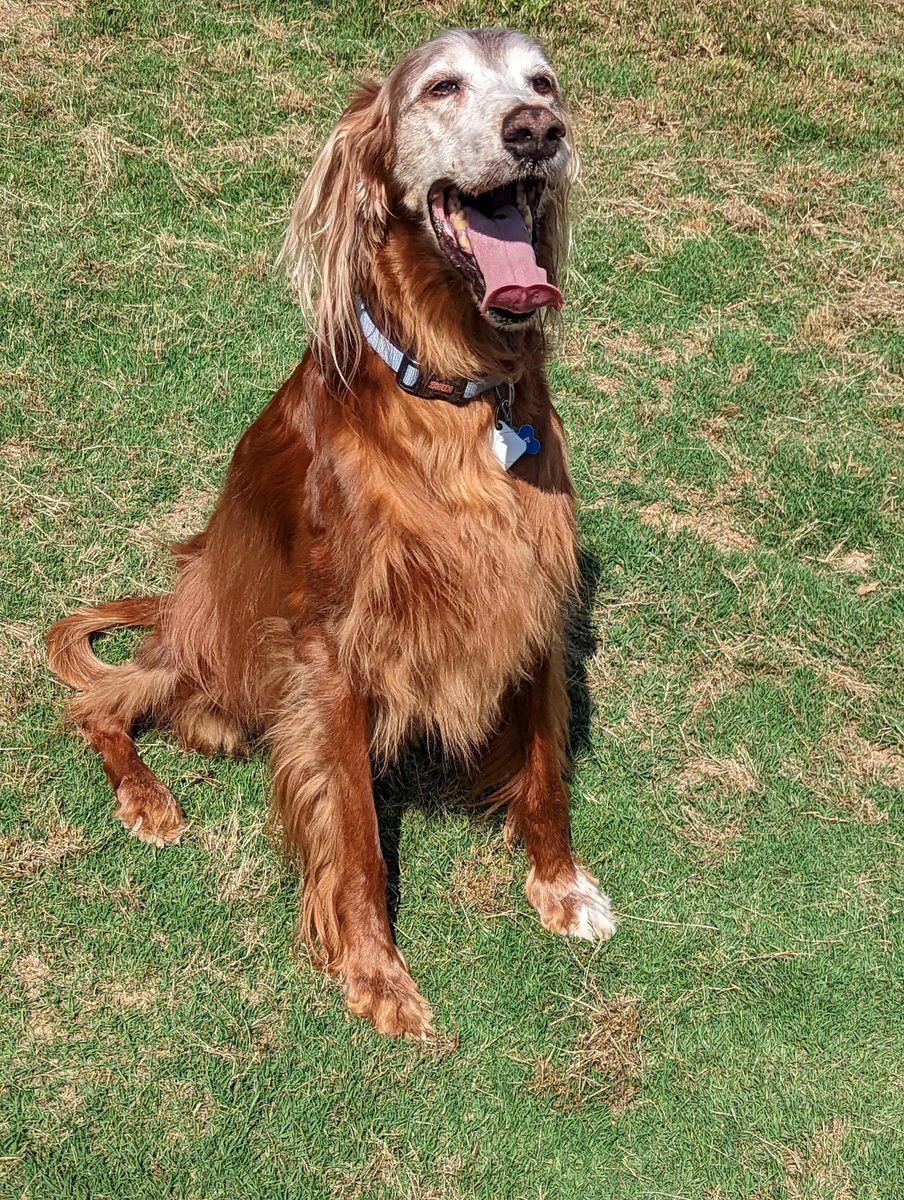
{"x":457,"y":584}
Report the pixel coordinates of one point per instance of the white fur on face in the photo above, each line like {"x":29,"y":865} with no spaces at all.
{"x":457,"y":139}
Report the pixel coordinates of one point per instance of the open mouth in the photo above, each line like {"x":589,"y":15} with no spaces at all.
{"x":492,"y":238}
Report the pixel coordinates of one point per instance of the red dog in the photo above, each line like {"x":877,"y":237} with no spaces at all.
{"x":394,"y":543}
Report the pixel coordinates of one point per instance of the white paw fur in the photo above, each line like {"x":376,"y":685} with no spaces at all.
{"x":594,"y":919}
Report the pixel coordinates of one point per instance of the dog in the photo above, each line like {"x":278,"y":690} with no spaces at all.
{"x":393,"y":550}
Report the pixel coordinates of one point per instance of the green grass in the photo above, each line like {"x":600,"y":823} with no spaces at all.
{"x":731,"y":378}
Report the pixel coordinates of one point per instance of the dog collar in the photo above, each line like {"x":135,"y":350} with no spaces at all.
{"x":408,"y":373}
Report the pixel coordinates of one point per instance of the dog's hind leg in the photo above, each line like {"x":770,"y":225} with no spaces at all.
{"x":323,"y":798}
{"x":106,"y":714}
{"x":111,"y":700}
{"x":206,"y":727}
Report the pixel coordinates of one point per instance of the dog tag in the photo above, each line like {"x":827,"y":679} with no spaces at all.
{"x":506,"y":444}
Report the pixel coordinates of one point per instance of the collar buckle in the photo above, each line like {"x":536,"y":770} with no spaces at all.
{"x":408,"y":364}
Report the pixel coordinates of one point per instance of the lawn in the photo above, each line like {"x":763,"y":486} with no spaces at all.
{"x":731,"y":377}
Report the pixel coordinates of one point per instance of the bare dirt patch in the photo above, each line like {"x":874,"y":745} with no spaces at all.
{"x":122,"y":994}
{"x":854,"y":562}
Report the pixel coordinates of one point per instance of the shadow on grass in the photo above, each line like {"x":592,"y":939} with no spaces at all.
{"x":420,"y":779}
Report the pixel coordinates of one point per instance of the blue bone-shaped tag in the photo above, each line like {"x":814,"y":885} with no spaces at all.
{"x":526,"y":432}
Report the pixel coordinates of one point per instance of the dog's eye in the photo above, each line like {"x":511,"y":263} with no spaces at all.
{"x":445,"y":87}
{"x":541,"y":84}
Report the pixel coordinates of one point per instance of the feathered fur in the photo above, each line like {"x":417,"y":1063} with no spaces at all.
{"x":370,"y":573}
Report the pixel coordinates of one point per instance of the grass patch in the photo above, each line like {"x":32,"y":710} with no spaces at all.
{"x":731,"y":379}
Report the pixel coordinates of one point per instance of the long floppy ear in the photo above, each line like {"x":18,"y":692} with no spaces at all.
{"x":337,"y":223}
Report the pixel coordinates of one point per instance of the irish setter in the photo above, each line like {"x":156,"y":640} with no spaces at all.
{"x":392,"y":550}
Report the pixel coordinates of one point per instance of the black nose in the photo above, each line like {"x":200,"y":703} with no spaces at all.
{"x":532,"y":132}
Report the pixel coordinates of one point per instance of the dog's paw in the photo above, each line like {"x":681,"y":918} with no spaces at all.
{"x":149,"y":811}
{"x":387,"y":997}
{"x":571,"y":904}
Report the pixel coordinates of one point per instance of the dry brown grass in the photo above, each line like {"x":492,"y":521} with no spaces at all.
{"x":735,"y":663}
{"x":31,"y":21}
{"x":187,"y":516}
{"x":15,"y":451}
{"x":840,"y":774}
{"x":713,"y":843}
{"x":243,"y":873}
{"x":386,"y":1172}
{"x":722,"y":675}
{"x":101,"y":149}
{"x":606,"y":1065}
{"x":708,"y":516}
{"x":24,"y":857}
{"x":187,"y":1107}
{"x":482,"y":882}
{"x":722,"y":775}
{"x":285,"y":147}
{"x":868,"y":761}
{"x":34,"y":977}
{"x":22,"y":659}
{"x":818,"y":1166}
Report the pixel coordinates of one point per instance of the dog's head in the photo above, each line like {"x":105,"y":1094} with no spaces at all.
{"x":468,"y":140}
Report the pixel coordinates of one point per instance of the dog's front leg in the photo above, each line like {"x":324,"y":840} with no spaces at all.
{"x":323,"y":797}
{"x":564,"y":894}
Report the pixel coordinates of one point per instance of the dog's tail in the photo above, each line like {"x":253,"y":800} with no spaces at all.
{"x":69,"y":651}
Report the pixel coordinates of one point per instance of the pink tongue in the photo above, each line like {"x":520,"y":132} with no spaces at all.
{"x":502,"y":248}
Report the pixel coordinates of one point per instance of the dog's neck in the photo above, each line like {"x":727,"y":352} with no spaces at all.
{"x":425,"y":307}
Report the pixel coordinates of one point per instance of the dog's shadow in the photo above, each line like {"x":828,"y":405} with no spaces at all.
{"x":420,"y":779}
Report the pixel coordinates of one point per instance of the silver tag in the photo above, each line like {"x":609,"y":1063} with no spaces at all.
{"x":506,"y":444}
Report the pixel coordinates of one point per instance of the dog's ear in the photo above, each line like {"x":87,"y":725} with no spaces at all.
{"x":337,"y":223}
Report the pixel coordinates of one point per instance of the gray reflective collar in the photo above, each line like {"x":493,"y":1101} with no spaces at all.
{"x":408,"y":373}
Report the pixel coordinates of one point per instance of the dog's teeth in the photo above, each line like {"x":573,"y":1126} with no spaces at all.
{"x":459,"y":222}
{"x":464,"y":242}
